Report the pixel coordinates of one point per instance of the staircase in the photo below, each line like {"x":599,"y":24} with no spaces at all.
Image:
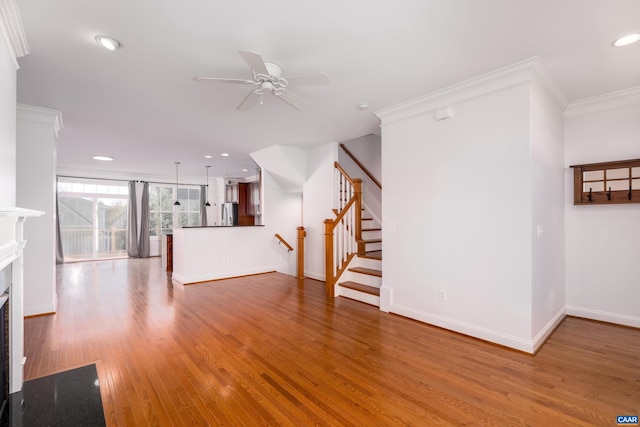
{"x":362,"y":278}
{"x":353,"y":245}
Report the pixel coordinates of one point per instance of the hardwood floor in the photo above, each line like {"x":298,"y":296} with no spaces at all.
{"x":269,"y":350}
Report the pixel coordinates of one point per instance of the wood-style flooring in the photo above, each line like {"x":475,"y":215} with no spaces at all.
{"x":272,"y":350}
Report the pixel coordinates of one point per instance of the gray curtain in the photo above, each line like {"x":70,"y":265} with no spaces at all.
{"x":132,"y":232}
{"x":143,"y":245}
{"x":203,"y":208}
{"x":59,"y":253}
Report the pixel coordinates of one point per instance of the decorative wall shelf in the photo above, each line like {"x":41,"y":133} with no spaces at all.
{"x":607,"y":183}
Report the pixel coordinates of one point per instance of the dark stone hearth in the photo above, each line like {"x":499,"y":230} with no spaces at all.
{"x":70,"y":398}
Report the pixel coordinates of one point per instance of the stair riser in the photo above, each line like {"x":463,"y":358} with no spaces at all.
{"x":377,"y":234}
{"x":365,"y":279}
{"x":374,"y":264}
{"x":373,"y":246}
{"x":358,"y":296}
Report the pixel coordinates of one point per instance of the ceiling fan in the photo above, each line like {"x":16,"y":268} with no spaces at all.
{"x":267,"y":76}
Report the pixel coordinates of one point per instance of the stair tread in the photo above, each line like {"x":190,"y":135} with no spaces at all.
{"x":372,"y":290}
{"x":372,"y":255}
{"x":371,"y":240}
{"x":371,"y":229}
{"x":369,"y":271}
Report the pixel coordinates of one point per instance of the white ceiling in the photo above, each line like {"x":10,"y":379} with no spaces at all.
{"x":141,"y":105}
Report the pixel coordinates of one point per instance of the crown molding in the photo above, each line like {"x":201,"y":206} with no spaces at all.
{"x":40,"y":115}
{"x":12,"y":29}
{"x":609,"y":101}
{"x":529,"y":71}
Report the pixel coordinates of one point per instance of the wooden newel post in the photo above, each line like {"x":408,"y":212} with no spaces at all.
{"x":301,"y":236}
{"x":328,"y":256}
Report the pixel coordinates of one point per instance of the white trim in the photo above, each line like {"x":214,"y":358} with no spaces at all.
{"x":40,"y":115}
{"x":604,"y":316}
{"x":130,"y":176}
{"x":386,"y":298}
{"x":39,"y":309}
{"x":357,"y":296}
{"x":609,"y":101}
{"x":548,"y":329}
{"x":527,"y":71}
{"x":316,"y":276}
{"x":13,"y":30}
{"x":185,"y":280}
{"x":511,"y":341}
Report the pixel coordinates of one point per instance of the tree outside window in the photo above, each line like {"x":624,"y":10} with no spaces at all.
{"x":161,"y":208}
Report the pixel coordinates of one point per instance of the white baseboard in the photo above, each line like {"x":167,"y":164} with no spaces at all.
{"x":548,"y":329}
{"x":317,"y":276}
{"x":39,"y":309}
{"x":604,"y":316}
{"x":185,"y":280}
{"x":496,"y":337}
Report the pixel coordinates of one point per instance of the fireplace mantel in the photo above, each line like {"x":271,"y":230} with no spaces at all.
{"x":12,"y":243}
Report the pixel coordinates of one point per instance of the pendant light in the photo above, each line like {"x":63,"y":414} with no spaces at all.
{"x":177,"y":202}
{"x":207,"y":203}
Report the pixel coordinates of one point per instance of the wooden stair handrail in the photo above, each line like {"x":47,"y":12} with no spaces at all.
{"x":284,"y":242}
{"x":330,"y":224}
{"x":364,"y":169}
{"x":344,"y":173}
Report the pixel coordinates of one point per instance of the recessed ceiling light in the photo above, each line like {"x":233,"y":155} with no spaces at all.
{"x":108,"y":42}
{"x":103,"y":158}
{"x":627,"y":40}
{"x":363,"y":106}
{"x":208,"y":157}
{"x":245,"y":170}
{"x":225,"y":154}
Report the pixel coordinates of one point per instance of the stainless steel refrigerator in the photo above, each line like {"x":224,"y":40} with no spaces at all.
{"x":229,"y":214}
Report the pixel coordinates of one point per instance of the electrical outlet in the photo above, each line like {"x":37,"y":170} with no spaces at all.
{"x":442,"y":295}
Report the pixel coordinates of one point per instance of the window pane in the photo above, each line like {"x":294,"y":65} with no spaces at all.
{"x":194,"y":219}
{"x":65,"y":187}
{"x":76,"y":226}
{"x":167,"y":220}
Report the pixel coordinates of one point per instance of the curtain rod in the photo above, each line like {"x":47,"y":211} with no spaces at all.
{"x":126,"y":180}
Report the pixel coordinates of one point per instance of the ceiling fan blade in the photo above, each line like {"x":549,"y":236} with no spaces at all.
{"x":249,"y":101}
{"x":294,"y":100}
{"x":309,"y":79}
{"x":255,"y":61}
{"x":221,"y":80}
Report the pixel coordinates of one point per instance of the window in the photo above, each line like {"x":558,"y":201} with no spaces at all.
{"x":93,"y":218}
{"x":161,"y":208}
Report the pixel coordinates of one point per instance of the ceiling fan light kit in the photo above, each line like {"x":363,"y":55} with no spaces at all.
{"x":268,"y":77}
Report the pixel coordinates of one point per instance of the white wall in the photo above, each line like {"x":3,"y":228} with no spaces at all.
{"x":8,"y":67}
{"x":547,"y":227}
{"x":457,"y":209}
{"x":202,"y":254}
{"x":367,"y":149}
{"x":35,"y":184}
{"x":317,"y":204}
{"x":602,"y":280}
